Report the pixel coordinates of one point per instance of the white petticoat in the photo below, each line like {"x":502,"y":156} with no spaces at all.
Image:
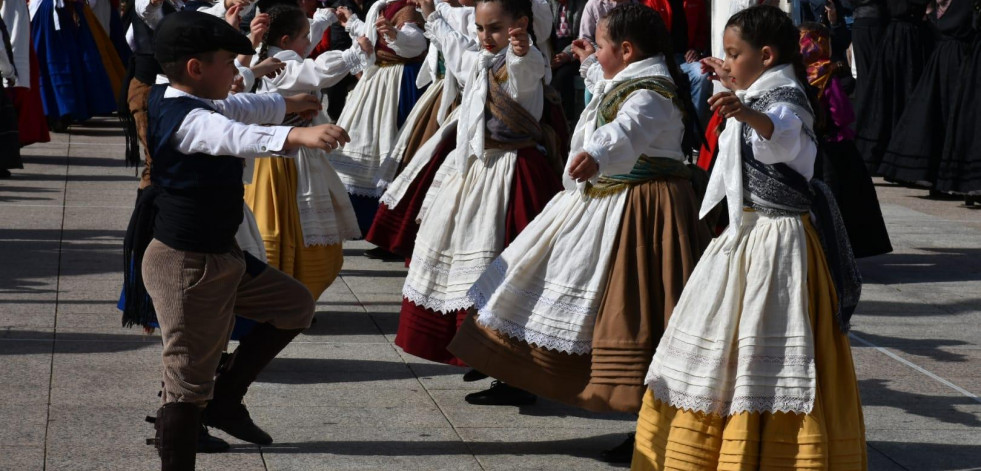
{"x":461,"y":232}
{"x":545,"y":289}
{"x":390,"y":161}
{"x":740,"y":338}
{"x":396,"y":190}
{"x":370,"y":117}
{"x":248,"y":237}
{"x":326,"y":214}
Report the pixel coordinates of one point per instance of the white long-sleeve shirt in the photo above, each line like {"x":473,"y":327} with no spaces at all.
{"x":322,"y":19}
{"x":409,"y":40}
{"x":310,"y":75}
{"x":647,"y":123}
{"x":789,"y":143}
{"x":153,"y":14}
{"x":18,"y":20}
{"x":235,"y":129}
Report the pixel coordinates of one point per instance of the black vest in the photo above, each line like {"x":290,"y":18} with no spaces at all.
{"x":200,"y":205}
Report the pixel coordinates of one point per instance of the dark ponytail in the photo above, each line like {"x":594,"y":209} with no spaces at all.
{"x":644,"y":28}
{"x":769,"y":26}
{"x":284,"y":20}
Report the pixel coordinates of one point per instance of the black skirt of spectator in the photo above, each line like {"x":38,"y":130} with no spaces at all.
{"x":882,"y":94}
{"x":960,"y":166}
{"x":841,"y":168}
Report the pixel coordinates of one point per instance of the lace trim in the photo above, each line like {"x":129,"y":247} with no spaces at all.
{"x":531,"y":337}
{"x":499,"y":266}
{"x":673,"y":351}
{"x":738,"y":404}
{"x":440,"y":305}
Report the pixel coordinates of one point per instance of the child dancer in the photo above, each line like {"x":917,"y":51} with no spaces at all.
{"x":573,"y":308}
{"x":755,"y":370}
{"x":300,"y":205}
{"x":380,"y":103}
{"x":491,"y":186}
{"x":191,"y":266}
{"x":423,"y":143}
{"x":840,"y":165}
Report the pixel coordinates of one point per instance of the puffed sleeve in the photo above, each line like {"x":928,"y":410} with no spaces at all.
{"x":788,"y":140}
{"x":617,"y":145}
{"x":457,"y":56}
{"x":525,"y":75}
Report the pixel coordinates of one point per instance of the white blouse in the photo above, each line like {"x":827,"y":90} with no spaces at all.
{"x":789,"y":144}
{"x":311,"y":75}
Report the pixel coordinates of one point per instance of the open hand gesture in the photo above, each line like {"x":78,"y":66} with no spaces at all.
{"x":386,"y":28}
{"x":326,"y":136}
{"x":728,"y":105}
{"x":269,"y":67}
{"x":366,"y":46}
{"x":714,"y":67}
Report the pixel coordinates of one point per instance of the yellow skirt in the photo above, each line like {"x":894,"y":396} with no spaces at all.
{"x":115,"y":69}
{"x":272,"y":198}
{"x":830,"y":437}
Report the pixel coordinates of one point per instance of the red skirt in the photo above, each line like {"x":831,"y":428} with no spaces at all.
{"x":33,"y":125}
{"x":426,"y":333}
{"x":395,"y":229}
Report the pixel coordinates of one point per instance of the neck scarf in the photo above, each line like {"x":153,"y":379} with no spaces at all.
{"x":727,"y":176}
{"x":471,"y":127}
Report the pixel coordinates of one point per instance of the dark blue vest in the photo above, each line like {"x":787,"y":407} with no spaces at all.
{"x":200,"y":205}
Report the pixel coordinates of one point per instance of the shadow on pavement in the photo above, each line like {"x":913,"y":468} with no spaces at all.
{"x":922,"y":347}
{"x":29,"y":255}
{"x":875,"y":392}
{"x":35,"y":342}
{"x":932,"y":456}
{"x":321,"y":371}
{"x":939,"y":265}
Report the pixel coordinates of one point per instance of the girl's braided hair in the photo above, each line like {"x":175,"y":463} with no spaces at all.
{"x":284,"y":20}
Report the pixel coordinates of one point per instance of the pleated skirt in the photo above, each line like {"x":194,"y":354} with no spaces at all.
{"x":830,"y":437}
{"x":658,"y":244}
{"x":272,"y":198}
{"x":426,"y":332}
{"x":959,"y":169}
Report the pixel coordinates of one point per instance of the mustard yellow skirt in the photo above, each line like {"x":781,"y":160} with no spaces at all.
{"x":272,"y":198}
{"x":831,"y":437}
{"x":115,"y":69}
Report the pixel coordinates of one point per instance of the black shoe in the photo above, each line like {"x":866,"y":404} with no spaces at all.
{"x":235,"y":421}
{"x":379,"y":253}
{"x":473,"y":375}
{"x":621,"y":453}
{"x":208,"y":443}
{"x":501,"y":394}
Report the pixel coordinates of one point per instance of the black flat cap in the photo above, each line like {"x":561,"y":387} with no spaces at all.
{"x":186,"y":33}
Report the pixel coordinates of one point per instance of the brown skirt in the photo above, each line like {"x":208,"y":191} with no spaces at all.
{"x":422,"y":130}
{"x":659,"y":244}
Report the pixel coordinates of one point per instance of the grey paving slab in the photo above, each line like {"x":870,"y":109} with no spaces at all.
{"x":22,"y":425}
{"x":27,"y":458}
{"x":529,"y":448}
{"x":99,"y":438}
{"x":25,"y":366}
{"x":943,"y":450}
{"x":123,"y":372}
{"x":369,"y":448}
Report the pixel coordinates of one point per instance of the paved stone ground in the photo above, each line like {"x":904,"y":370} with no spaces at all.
{"x":75,"y":386}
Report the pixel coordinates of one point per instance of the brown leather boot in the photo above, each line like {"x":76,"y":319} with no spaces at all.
{"x":177,"y":435}
{"x":255,"y":350}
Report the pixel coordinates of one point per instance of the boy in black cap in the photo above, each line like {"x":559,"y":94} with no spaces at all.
{"x":192,"y":268}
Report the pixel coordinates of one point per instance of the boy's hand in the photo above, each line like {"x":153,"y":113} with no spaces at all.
{"x":366,"y":46}
{"x":386,"y":28}
{"x":583,"y":167}
{"x":561,"y":59}
{"x":258,"y":29}
{"x":302,"y":103}
{"x":270,"y":67}
{"x":582,"y":48}
{"x":326,"y":136}
{"x":520,"y":43}
{"x":238,"y":85}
